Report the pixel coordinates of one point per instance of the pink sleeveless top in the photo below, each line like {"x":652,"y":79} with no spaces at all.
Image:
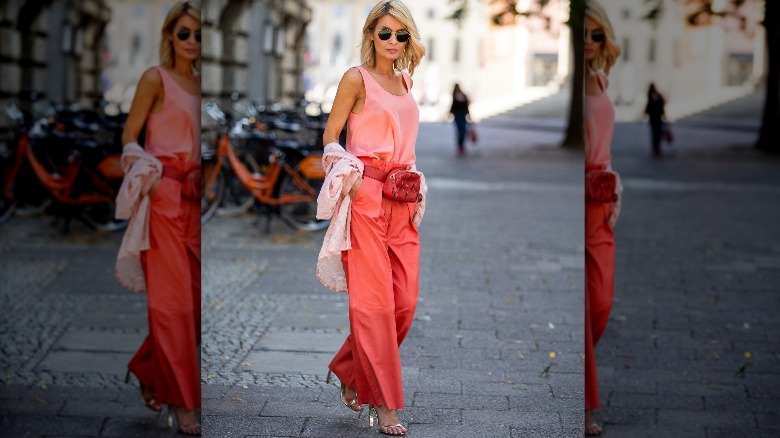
{"x":173,"y":133}
{"x":386,"y":127}
{"x":599,"y":125}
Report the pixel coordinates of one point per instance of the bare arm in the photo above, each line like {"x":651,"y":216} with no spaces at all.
{"x":148,"y":96}
{"x":350,"y":96}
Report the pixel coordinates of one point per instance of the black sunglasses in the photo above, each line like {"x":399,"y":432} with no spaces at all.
{"x":401,"y":35}
{"x":184,"y":35}
{"x":597,"y":36}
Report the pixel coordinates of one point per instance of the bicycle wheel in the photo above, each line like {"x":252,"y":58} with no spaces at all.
{"x":100,"y":217}
{"x":32,"y":199}
{"x":211,"y":196}
{"x":302,"y":215}
{"x":237,"y":199}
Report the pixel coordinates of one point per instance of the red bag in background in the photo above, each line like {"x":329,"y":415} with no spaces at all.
{"x":668,"y":135}
{"x":473,"y":134}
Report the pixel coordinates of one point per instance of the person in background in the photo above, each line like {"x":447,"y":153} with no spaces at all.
{"x":460,"y":113}
{"x":656,"y":115}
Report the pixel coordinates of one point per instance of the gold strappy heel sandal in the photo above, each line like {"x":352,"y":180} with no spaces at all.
{"x":150,"y":403}
{"x":192,"y":429}
{"x":382,"y":429}
{"x":347,"y":403}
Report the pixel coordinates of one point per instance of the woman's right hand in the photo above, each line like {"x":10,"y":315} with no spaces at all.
{"x":355,"y":187}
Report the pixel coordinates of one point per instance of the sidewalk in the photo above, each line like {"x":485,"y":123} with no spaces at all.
{"x":68,"y":331}
{"x":501,"y":289}
{"x":691,"y":349}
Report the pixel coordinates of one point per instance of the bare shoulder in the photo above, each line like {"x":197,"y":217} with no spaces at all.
{"x":352,"y":78}
{"x":351,"y":83}
{"x":151,"y":79}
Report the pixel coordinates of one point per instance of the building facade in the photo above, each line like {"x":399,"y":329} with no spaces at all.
{"x":254,"y":48}
{"x":52,"y":48}
{"x":493,"y":64}
{"x":691,"y":64}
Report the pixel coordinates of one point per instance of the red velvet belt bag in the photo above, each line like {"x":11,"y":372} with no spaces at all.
{"x":400,"y":183}
{"x":600,"y":185}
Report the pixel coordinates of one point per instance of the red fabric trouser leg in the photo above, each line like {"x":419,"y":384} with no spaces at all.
{"x":382,"y":278}
{"x":599,"y":289}
{"x":168,"y":360}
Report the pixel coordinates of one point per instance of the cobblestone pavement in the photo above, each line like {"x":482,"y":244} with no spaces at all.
{"x":691,"y":349}
{"x":501,"y":292}
{"x":67,"y":332}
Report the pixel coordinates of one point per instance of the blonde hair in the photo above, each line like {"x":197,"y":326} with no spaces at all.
{"x":178,"y":10}
{"x":413,"y":51}
{"x":610,"y":52}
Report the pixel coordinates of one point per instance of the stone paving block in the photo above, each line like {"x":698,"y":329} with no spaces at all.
{"x":670,"y":377}
{"x":286,"y":340}
{"x":136,"y":321}
{"x":541,"y":420}
{"x":734,"y":402}
{"x":416,"y":415}
{"x":234,"y":405}
{"x":313,"y":321}
{"x":347,"y":427}
{"x":460,"y":401}
{"x":646,"y":431}
{"x":769,"y":420}
{"x":282,"y":408}
{"x":431,"y":385}
{"x":83,"y":340}
{"x":100,"y":408}
{"x":137,"y":428}
{"x":288,"y":362}
{"x":214,"y":391}
{"x":735,"y":432}
{"x":705,"y":418}
{"x":240,"y":426}
{"x":86,"y":362}
{"x":523,"y":432}
{"x":616,"y":414}
{"x":30,"y":406}
{"x":703,"y":388}
{"x":458,"y":431}
{"x":661,"y":401}
{"x":259,"y":394}
{"x":23,"y":426}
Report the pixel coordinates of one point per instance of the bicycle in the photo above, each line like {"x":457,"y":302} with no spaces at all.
{"x":72,"y":157}
{"x":286,"y":181}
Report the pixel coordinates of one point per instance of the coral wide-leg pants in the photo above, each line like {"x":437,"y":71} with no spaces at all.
{"x":599,"y":289}
{"x":168,"y":360}
{"x":382,"y":278}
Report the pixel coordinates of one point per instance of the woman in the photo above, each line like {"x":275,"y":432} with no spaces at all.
{"x":167,"y":241}
{"x":379,"y":264}
{"x":601,"y":52}
{"x":460,"y":111}
{"x":655,"y":112}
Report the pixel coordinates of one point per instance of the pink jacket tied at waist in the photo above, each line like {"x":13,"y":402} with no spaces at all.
{"x":343,"y":169}
{"x":133,"y":202}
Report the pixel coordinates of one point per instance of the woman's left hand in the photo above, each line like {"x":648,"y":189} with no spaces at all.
{"x":355,"y":187}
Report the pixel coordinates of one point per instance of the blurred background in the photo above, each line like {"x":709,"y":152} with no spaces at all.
{"x":689,"y":348}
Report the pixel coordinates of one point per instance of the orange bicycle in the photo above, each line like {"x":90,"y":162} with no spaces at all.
{"x":283,"y":175}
